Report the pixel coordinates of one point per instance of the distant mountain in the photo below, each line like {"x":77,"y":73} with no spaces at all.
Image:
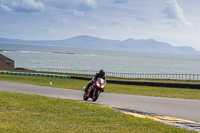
{"x":149,"y":45}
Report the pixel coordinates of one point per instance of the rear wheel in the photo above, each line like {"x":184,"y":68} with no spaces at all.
{"x":85,"y":97}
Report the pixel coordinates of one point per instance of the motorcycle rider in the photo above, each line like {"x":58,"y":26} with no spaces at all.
{"x":100,"y":74}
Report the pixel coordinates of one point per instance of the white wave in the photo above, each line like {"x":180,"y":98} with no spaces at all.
{"x":6,"y":51}
{"x":25,"y":51}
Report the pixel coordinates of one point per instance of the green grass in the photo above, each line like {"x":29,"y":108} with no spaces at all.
{"x":154,"y":91}
{"x":23,"y":113}
{"x":111,"y":88}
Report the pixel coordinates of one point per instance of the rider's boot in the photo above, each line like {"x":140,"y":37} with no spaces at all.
{"x":84,"y":88}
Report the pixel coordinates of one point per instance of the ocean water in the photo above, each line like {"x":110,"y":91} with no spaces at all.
{"x":109,"y":60}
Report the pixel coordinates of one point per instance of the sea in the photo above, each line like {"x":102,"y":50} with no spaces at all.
{"x":118,"y":61}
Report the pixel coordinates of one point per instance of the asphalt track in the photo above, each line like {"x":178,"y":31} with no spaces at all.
{"x":180,"y":108}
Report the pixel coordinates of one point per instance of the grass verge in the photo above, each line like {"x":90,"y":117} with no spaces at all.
{"x":111,"y":88}
{"x":32,"y":113}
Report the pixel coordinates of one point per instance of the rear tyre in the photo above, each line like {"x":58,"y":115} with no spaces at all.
{"x":85,"y":97}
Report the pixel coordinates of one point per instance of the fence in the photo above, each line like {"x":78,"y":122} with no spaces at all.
{"x":124,"y":75}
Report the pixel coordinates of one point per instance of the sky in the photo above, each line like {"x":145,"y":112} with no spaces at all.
{"x":176,"y":22}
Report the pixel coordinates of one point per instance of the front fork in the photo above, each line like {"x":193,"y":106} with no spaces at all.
{"x":94,"y":91}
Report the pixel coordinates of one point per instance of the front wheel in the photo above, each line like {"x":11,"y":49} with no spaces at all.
{"x":95,"y":96}
{"x":85,"y":97}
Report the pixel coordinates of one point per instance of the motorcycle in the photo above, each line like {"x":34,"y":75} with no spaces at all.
{"x":94,"y":90}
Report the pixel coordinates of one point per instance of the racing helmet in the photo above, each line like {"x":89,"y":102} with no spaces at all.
{"x":101,"y":72}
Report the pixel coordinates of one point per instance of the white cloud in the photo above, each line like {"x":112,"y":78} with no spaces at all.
{"x":60,"y":19}
{"x":73,"y":4}
{"x":33,"y":4}
{"x":78,"y":13}
{"x":78,"y":5}
{"x":64,"y":20}
{"x":128,"y":27}
{"x":120,"y":1}
{"x":91,"y":27}
{"x":90,"y":3}
{"x":174,"y":13}
{"x":24,"y":6}
{"x":14,"y":3}
{"x":52,"y":30}
{"x":6,"y":8}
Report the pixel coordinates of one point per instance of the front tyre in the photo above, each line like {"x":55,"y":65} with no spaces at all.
{"x":85,"y":97}
{"x":95,"y":96}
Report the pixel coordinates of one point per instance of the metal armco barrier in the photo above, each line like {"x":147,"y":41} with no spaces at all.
{"x":148,"y":83}
{"x":35,"y":74}
{"x":157,"y":84}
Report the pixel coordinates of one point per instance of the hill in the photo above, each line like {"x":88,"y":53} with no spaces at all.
{"x":149,"y":45}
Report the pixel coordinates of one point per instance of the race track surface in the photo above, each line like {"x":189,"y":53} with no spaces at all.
{"x":180,"y":108}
